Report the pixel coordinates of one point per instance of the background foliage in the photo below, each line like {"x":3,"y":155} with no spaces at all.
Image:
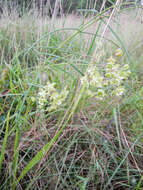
{"x":66,"y":5}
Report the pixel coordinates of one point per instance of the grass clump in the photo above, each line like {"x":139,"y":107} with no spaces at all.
{"x":70,"y":111}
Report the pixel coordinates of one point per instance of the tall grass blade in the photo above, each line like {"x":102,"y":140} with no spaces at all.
{"x":91,"y":48}
{"x":15,"y":158}
{"x":4,"y":142}
{"x":117,"y":127}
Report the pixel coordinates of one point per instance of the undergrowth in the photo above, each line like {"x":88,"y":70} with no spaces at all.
{"x":61,"y":136}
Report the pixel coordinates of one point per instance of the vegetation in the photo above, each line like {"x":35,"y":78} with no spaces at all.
{"x":71,"y":101}
{"x":65,"y":6}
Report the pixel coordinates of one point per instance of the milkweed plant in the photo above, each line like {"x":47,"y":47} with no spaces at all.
{"x":109,"y":81}
{"x":97,"y":83}
{"x":49,"y":99}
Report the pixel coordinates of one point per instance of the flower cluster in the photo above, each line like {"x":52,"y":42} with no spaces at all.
{"x":115,"y":74}
{"x":49,"y":98}
{"x":92,"y":80}
{"x":107,"y":82}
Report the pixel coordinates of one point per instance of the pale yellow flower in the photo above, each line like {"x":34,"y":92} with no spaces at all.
{"x":111,"y":60}
{"x":100,"y":94}
{"x":49,"y":98}
{"x":33,"y":99}
{"x":107,"y":82}
{"x":119,"y":91}
{"x":118,"y":52}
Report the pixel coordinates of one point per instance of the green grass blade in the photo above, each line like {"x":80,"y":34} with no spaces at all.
{"x":91,"y":48}
{"x":15,"y":158}
{"x":117,"y":127}
{"x":76,"y":69}
{"x":4,"y":142}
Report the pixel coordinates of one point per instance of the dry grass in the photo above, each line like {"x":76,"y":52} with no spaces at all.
{"x":127,"y":24}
